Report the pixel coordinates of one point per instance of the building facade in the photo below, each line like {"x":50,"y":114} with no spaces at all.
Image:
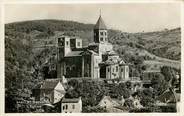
{"x":98,"y":60}
{"x":51,"y":90}
{"x":73,"y":105}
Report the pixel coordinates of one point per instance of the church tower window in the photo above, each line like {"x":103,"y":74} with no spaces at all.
{"x":121,"y":69}
{"x":101,"y":39}
{"x":67,"y":43}
{"x":100,"y":31}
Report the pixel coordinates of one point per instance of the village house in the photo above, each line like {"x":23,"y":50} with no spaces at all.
{"x":113,"y":104}
{"x":167,"y":100}
{"x":51,"y":90}
{"x":97,"y":60}
{"x":71,"y":105}
{"x":107,"y":102}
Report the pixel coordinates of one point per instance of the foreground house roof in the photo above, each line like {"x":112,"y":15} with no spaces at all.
{"x":49,"y":84}
{"x":168,"y":96}
{"x":71,"y":100}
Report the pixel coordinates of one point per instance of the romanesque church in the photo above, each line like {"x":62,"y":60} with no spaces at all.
{"x":98,"y":60}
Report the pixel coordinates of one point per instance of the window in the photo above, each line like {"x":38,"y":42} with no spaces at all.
{"x":63,"y":107}
{"x":116,"y":68}
{"x":108,"y":69}
{"x":67,"y":43}
{"x":101,"y":39}
{"x":78,"y":43}
{"x":121,"y":69}
{"x":105,"y":33}
{"x":66,"y":107}
{"x":73,"y":106}
{"x":101,"y":33}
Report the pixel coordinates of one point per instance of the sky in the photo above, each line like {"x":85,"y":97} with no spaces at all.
{"x":127,"y":17}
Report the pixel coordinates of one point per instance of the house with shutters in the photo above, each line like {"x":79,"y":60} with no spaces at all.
{"x":71,"y":105}
{"x":96,"y":61}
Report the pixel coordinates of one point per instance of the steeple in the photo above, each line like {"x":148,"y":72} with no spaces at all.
{"x":100,"y":31}
{"x":100,"y":23}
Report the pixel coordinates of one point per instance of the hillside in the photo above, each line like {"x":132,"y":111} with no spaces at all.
{"x":21,"y":56}
{"x":164,"y":43}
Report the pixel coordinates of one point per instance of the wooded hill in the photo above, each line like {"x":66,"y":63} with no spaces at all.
{"x":21,"y":57}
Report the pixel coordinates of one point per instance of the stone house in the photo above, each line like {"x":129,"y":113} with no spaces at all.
{"x":71,"y":105}
{"x":51,"y":90}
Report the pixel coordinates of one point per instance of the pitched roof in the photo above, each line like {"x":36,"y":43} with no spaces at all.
{"x":168,"y":96}
{"x":109,"y":62}
{"x":100,"y":24}
{"x":113,"y":101}
{"x":49,"y":84}
{"x":88,"y":52}
{"x":70,"y":100}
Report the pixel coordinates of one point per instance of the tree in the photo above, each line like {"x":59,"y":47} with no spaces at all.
{"x":10,"y":100}
{"x":158,"y":83}
{"x":128,"y":84}
{"x":129,"y":103}
{"x":168,"y":72}
{"x":73,"y":82}
{"x":147,"y":101}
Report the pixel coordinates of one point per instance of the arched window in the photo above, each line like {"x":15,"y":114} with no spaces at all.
{"x":116,"y":68}
{"x":108,"y":69}
{"x":66,"y":106}
{"x":121,"y":69}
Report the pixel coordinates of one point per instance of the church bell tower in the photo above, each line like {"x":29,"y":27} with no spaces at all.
{"x":100,"y":31}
